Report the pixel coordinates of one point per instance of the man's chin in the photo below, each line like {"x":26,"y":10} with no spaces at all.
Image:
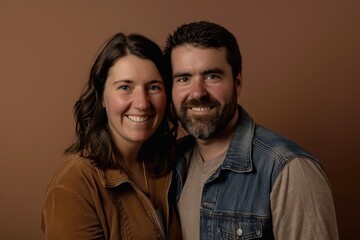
{"x":201,"y":130}
{"x":197,"y":125}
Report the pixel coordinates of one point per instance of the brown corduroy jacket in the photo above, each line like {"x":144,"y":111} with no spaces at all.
{"x":84,"y":202}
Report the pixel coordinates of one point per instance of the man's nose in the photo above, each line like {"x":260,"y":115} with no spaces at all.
{"x":198,"y":89}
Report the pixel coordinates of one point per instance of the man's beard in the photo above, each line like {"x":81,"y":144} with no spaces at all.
{"x":207,"y":126}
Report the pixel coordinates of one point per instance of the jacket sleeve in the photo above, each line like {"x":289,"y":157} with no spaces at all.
{"x":68,"y":215}
{"x":301,"y":203}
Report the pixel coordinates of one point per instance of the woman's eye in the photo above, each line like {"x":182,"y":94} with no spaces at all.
{"x":124,"y":87}
{"x":154,"y":88}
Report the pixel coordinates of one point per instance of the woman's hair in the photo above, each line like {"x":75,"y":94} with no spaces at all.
{"x":93,"y":138}
{"x":205,"y":34}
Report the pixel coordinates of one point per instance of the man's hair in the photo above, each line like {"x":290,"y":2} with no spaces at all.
{"x":205,"y":34}
{"x":93,"y":138}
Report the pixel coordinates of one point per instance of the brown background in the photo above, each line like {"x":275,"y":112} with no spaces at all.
{"x":301,"y":79}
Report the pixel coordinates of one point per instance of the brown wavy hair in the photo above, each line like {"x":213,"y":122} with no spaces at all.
{"x":93,"y":139}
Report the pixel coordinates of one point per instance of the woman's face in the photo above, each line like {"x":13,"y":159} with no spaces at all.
{"x":135,"y":100}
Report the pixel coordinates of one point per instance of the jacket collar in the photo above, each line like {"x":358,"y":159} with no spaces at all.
{"x":112,"y":177}
{"x":239,"y":157}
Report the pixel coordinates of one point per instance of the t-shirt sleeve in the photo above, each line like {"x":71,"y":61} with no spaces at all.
{"x":301,"y":203}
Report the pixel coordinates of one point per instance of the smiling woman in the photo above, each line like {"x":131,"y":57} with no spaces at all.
{"x":135,"y":101}
{"x":116,"y":174}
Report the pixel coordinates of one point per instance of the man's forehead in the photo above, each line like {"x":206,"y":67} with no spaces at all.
{"x":191,"y":57}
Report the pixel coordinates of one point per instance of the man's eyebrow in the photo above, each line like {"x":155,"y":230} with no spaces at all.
{"x":203,"y":73}
{"x":212,"y":71}
{"x":181,"y":74}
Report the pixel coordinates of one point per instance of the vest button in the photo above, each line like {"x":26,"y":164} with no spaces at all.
{"x":239,"y":232}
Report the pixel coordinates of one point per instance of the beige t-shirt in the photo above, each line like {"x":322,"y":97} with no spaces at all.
{"x":190,"y":199}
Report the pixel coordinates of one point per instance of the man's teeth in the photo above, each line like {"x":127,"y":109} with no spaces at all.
{"x":138,"y":119}
{"x":200,"y":109}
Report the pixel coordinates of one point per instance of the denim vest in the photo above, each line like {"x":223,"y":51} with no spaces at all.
{"x":235,"y":201}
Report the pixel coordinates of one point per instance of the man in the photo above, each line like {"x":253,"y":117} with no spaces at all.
{"x":235,"y":179}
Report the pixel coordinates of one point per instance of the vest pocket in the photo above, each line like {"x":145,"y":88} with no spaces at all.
{"x":239,"y":228}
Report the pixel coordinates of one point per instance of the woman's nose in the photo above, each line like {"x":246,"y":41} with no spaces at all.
{"x":141,"y":100}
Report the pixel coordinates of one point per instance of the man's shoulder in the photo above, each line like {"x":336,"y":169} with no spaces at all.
{"x":277,"y":144}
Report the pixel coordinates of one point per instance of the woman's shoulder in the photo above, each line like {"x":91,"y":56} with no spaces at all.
{"x":73,"y":170}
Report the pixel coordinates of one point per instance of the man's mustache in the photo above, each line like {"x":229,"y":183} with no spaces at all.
{"x":202,"y":102}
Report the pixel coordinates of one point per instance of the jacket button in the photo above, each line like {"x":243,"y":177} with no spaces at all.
{"x":239,"y":232}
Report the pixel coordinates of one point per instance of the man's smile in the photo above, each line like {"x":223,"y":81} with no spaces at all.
{"x":200,"y":109}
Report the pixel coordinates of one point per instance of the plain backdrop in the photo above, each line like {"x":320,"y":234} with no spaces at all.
{"x":301,"y":79}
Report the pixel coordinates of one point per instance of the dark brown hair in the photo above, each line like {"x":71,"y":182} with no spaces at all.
{"x":93,"y":139}
{"x":206,"y":34}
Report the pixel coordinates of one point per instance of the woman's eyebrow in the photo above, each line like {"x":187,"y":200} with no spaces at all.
{"x":156,"y":81}
{"x":123,"y":81}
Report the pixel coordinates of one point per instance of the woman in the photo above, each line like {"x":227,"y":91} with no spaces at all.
{"x":115,"y":179}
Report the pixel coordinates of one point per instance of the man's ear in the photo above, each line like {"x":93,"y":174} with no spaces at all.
{"x":238,"y":82}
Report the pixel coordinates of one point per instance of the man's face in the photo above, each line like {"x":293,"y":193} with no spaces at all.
{"x":204,"y":91}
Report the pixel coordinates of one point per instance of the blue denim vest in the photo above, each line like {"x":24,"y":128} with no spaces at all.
{"x":236,"y":198}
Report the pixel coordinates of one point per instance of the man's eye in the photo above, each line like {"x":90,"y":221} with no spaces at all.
{"x":182,"y":79}
{"x":212,"y":76}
